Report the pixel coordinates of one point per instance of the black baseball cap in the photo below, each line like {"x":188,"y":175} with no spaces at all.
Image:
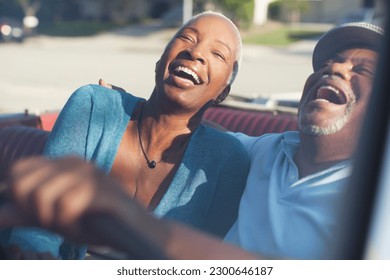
{"x":344,"y":36}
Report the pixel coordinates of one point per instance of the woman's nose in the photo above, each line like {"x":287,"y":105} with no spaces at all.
{"x":197,"y":53}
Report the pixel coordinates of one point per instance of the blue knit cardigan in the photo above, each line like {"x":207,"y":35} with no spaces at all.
{"x":204,"y":193}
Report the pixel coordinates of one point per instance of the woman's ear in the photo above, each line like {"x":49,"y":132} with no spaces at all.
{"x":223,"y":95}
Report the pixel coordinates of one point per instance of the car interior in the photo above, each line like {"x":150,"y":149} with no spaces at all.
{"x":364,"y":220}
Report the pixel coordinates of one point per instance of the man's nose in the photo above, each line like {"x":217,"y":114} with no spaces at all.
{"x":342,"y":69}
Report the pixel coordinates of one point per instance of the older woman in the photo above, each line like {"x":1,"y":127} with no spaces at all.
{"x":158,"y":149}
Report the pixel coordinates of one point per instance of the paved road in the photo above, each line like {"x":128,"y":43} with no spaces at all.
{"x":41,"y":73}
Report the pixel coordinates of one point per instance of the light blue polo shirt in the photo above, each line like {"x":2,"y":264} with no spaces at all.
{"x":280,"y":214}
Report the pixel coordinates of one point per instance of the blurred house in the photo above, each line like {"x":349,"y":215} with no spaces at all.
{"x":332,"y":11}
{"x":322,"y":11}
{"x":124,"y":10}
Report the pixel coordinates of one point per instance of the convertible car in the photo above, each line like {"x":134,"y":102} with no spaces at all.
{"x":366,"y":227}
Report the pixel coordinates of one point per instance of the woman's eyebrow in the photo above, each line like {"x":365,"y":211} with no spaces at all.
{"x":226,"y":45}
{"x":190,"y":28}
{"x":218,"y":40}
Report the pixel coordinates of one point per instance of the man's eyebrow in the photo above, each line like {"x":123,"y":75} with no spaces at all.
{"x":339,"y":57}
{"x":366,"y":60}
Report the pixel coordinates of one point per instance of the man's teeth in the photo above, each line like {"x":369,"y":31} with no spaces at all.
{"x":189,"y":72}
{"x":330,"y":94}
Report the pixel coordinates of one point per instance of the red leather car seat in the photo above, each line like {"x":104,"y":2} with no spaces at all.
{"x":18,"y":142}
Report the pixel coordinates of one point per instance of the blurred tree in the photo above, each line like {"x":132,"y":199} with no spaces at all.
{"x":10,"y":8}
{"x":70,"y":9}
{"x":241,"y":11}
{"x":199,"y":5}
{"x":158,"y":8}
{"x":294,"y":9}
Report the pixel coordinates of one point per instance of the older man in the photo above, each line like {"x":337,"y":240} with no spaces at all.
{"x":290,"y":203}
{"x":294,"y":188}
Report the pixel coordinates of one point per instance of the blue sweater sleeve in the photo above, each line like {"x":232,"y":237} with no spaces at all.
{"x":230,"y":186}
{"x":69,"y":134}
{"x":91,"y":125}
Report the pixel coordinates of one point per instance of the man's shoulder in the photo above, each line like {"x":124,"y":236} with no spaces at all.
{"x":267,"y":139}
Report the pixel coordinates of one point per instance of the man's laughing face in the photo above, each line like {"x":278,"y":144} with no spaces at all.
{"x":337,"y":94}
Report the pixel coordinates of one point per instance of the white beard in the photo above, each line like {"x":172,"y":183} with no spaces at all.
{"x":316,"y":130}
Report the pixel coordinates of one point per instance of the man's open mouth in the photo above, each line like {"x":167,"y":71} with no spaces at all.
{"x":186,"y":73}
{"x":331,"y":94}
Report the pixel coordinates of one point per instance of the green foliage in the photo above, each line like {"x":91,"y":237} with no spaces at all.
{"x":276,"y":8}
{"x":75,"y":28}
{"x":279,"y":36}
{"x":241,"y":10}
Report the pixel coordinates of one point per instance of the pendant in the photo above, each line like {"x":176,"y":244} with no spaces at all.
{"x":152,"y":164}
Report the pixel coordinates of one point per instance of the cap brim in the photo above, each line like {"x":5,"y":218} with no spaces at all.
{"x":356,"y":35}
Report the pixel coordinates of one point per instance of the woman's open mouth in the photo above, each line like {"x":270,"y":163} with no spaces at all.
{"x":187,"y":74}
